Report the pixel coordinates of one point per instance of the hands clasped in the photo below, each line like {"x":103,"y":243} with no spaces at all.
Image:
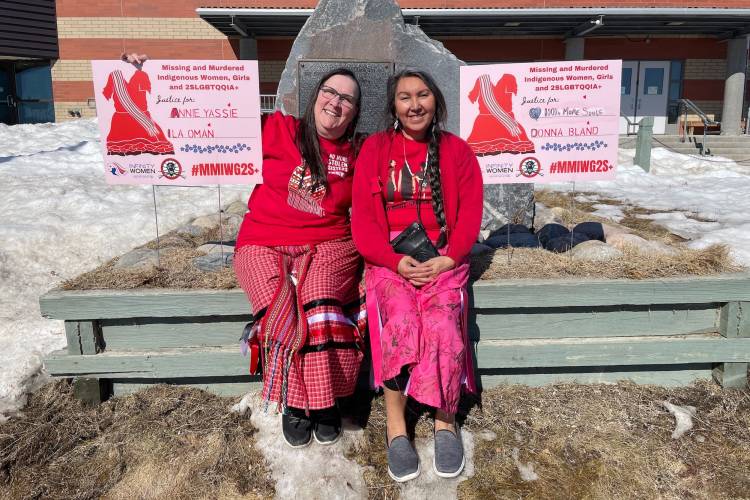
{"x":421,"y":273}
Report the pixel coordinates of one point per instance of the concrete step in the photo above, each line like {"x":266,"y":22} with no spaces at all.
{"x":736,"y":148}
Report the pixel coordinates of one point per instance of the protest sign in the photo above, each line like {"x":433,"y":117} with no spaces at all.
{"x":183,"y":122}
{"x":542,"y":122}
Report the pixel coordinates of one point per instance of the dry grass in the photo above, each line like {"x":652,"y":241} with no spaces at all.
{"x":528,"y":263}
{"x":584,"y":441}
{"x":592,"y":441}
{"x":176,"y":271}
{"x":611,"y":441}
{"x":161,"y":443}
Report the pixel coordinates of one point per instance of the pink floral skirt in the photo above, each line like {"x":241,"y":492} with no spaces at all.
{"x":422,"y":329}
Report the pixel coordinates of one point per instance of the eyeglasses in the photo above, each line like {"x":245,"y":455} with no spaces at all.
{"x":346,"y":100}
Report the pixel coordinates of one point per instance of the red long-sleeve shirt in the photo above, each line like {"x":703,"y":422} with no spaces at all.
{"x":281,"y":213}
{"x":461,"y":181}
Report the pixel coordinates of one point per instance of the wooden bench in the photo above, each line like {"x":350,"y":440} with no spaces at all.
{"x":693,"y":122}
{"x":667,"y":332}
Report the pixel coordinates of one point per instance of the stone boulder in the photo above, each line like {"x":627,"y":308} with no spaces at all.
{"x":595,"y":250}
{"x":140,"y":259}
{"x":374,"y":30}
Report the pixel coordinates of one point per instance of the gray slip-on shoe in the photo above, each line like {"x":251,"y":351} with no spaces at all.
{"x":449,"y":458}
{"x":403,"y":461}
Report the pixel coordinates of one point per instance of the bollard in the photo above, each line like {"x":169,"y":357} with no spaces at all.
{"x":643,"y":143}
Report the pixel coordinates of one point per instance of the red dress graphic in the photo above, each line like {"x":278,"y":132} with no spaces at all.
{"x":495,"y":128}
{"x":133,"y":131}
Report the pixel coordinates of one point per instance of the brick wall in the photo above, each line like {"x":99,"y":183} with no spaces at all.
{"x":137,"y":28}
{"x":705,"y":69}
{"x":82,"y":39}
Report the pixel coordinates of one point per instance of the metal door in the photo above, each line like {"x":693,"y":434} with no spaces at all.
{"x":644,"y":92}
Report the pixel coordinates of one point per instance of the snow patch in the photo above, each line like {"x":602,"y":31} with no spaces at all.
{"x":312,"y":472}
{"x":525,"y":470}
{"x":58,"y":218}
{"x":683,"y":418}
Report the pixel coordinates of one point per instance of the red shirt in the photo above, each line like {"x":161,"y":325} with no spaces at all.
{"x":461,"y":181}
{"x":405,"y":186}
{"x":282,"y":212}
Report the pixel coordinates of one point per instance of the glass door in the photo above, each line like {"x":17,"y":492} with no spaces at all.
{"x":26,"y":92}
{"x":34,"y":93}
{"x":644,"y":92}
{"x":7,"y":101}
{"x":628,"y":85}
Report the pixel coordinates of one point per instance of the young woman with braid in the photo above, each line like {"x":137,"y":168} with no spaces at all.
{"x":417,"y":310}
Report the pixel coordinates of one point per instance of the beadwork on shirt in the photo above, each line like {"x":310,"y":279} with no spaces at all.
{"x":301,"y":195}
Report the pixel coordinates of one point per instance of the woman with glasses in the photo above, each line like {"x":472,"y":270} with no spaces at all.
{"x":297,"y":263}
{"x":417,"y":310}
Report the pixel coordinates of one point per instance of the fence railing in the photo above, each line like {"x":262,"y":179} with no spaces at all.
{"x":688,"y":105}
{"x":267,"y":103}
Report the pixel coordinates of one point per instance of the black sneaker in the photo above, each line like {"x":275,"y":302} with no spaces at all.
{"x":297,"y":431}
{"x":327,"y":430}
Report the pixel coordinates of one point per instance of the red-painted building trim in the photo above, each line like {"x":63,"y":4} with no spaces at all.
{"x":72,"y":91}
{"x":703,"y":90}
{"x":654,"y":48}
{"x":506,"y":49}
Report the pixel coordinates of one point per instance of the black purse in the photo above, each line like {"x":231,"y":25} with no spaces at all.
{"x":413,"y":241}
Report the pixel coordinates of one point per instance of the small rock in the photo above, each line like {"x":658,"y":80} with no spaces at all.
{"x":213,"y":262}
{"x":623,"y":240}
{"x":236,"y":208}
{"x":140,"y":259}
{"x":231,"y":225}
{"x":595,"y":250}
{"x":188,"y":230}
{"x":209,"y":248}
{"x":611,"y":230}
{"x":206,"y":221}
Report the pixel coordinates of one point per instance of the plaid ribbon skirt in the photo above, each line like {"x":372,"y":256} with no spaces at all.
{"x":309,"y":308}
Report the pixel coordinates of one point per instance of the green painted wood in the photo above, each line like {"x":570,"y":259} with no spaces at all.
{"x":734,"y":322}
{"x":87,"y":331}
{"x":147,"y":333}
{"x":218,"y":388}
{"x":73,"y":336}
{"x":616,"y":351}
{"x":216,"y":362}
{"x":664,"y":378}
{"x":731,"y":375}
{"x":95,"y":304}
{"x":697,"y":348}
{"x":157,"y":303}
{"x":573,"y":293}
{"x":91,"y":391}
{"x":592,"y":322}
{"x":734,"y":319}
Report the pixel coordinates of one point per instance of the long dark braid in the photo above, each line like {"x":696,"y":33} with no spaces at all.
{"x":433,"y":174}
{"x":432,"y":169}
